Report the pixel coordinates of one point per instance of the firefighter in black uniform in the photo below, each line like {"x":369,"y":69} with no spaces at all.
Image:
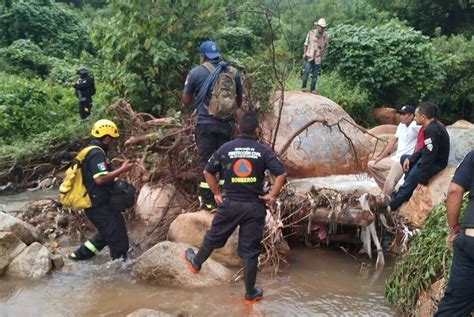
{"x":241,"y":202}
{"x":98,"y":178}
{"x":421,"y":166}
{"x":85,"y":89}
{"x":458,"y":297}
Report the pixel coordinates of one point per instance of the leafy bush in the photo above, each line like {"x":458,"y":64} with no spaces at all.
{"x":456,"y":96}
{"x":426,"y":260}
{"x":396,"y":64}
{"x":26,"y":57}
{"x":46,"y":24}
{"x":352,"y":98}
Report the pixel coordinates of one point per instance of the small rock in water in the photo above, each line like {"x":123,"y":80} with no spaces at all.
{"x":58,"y":261}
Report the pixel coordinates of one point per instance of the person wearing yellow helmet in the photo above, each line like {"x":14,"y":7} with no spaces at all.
{"x":98,"y":178}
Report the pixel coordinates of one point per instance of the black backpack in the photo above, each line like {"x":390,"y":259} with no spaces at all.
{"x":122,"y":196}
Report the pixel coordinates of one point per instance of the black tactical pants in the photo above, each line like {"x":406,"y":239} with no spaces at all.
{"x":85,"y":108}
{"x":111,"y":231}
{"x":250,"y":216}
{"x":458,"y":297}
{"x":210,"y":137}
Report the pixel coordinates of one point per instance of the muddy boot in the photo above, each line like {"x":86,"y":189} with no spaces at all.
{"x":195,"y":261}
{"x":252,"y":294}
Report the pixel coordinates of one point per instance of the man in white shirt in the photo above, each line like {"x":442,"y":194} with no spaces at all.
{"x":387,"y":170}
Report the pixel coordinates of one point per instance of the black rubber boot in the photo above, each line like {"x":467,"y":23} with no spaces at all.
{"x":252,"y":294}
{"x":195,"y":261}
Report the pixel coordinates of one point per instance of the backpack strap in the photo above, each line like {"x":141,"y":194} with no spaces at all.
{"x":209,"y":67}
{"x":82,"y":153}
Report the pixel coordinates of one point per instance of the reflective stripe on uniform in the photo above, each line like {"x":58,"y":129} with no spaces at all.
{"x":91,"y":247}
{"x":221,"y":182}
{"x":100,"y":174}
{"x":203,"y":185}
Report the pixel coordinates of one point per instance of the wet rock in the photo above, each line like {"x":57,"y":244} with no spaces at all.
{"x":386,"y":115}
{"x":10,"y":247}
{"x":427,"y":303}
{"x":32,"y":262}
{"x":461,"y":140}
{"x":164,"y":264}
{"x":319,"y":150}
{"x":21,"y":229}
{"x":64,"y":241}
{"x":190,"y":228}
{"x":153,"y":202}
{"x":145,"y":312}
{"x":58,"y":261}
{"x":424,"y":198}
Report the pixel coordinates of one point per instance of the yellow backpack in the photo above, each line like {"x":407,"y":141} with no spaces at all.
{"x":72,"y":192}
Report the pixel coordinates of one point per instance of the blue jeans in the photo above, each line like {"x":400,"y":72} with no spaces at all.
{"x":313,"y":68}
{"x":411,"y":181}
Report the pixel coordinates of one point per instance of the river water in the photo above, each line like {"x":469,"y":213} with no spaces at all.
{"x":317,"y":282}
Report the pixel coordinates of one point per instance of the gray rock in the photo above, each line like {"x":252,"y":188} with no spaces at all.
{"x":32,"y":262}
{"x":461,"y":135}
{"x":190,"y":228}
{"x":10,"y":247}
{"x":25,"y":232}
{"x":164,"y":264}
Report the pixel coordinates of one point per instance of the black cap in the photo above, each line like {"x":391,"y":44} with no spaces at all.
{"x":407,"y":109}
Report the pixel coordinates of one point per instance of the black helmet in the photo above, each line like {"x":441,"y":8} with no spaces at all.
{"x":82,"y":70}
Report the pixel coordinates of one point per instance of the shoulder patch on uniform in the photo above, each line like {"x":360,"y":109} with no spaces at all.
{"x":102,"y":167}
{"x":428,"y":141}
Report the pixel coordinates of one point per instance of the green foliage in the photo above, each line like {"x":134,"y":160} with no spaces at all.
{"x":146,"y":59}
{"x":352,"y":98}
{"x":456,"y":96}
{"x":426,"y":260}
{"x":26,"y":57}
{"x":54,"y":30}
{"x":427,"y":15}
{"x":395,"y":63}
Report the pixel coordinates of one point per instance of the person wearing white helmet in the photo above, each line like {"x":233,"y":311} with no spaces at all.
{"x":98,"y":178}
{"x":315,"y":47}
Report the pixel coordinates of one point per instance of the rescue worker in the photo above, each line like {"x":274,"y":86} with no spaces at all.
{"x":421,"y":166}
{"x":98,"y":178}
{"x":85,"y":89}
{"x":210,"y":131}
{"x":241,"y":203}
{"x":458,"y":297}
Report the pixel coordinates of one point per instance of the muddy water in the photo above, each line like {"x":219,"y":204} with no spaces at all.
{"x":317,"y":282}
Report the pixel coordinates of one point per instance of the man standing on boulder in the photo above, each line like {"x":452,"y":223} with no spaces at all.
{"x":213,"y":129}
{"x":458,"y":297}
{"x":315,"y":47}
{"x":421,"y":166}
{"x":241,"y":203}
{"x":387,"y":170}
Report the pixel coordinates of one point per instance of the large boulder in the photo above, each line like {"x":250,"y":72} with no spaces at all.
{"x":337,"y":147}
{"x":384,"y":129}
{"x":154,"y":201}
{"x":190,"y":228}
{"x":424,"y":198}
{"x":10,"y":247}
{"x":164,"y":264}
{"x":461,"y":135}
{"x":32,"y":262}
{"x":386,"y":115}
{"x":24,"y":231}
